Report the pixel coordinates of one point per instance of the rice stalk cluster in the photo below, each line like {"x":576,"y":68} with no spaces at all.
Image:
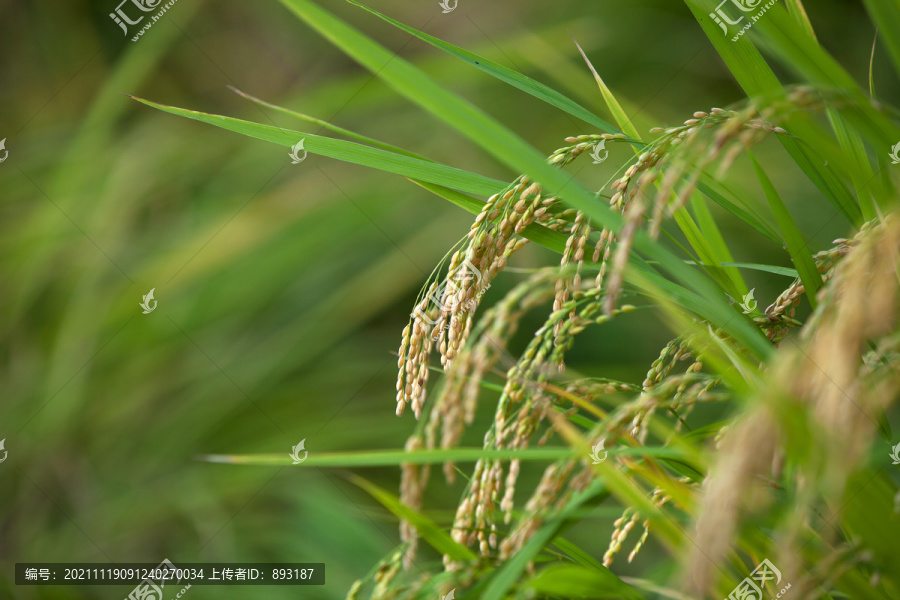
{"x":826,"y":369}
{"x":813,"y":365}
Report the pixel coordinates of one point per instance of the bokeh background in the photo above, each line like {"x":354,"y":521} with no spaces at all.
{"x":282,"y":288}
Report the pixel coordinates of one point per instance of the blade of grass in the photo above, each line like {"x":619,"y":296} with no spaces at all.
{"x":505,"y":74}
{"x":656,"y":588}
{"x":705,"y":343}
{"x":519,"y":156}
{"x":734,"y":286}
{"x":862,"y":176}
{"x":786,"y":271}
{"x":574,"y":581}
{"x":501,"y":581}
{"x":824,"y":179}
{"x":614,"y":107}
{"x":725,"y":198}
{"x":383,"y":458}
{"x":575,"y":552}
{"x":800,"y":254}
{"x":553,"y":98}
{"x":716,"y":242}
{"x":329,"y":126}
{"x":621,"y":486}
{"x":759,"y":81}
{"x":729,"y":279}
{"x":352,"y":152}
{"x":871,"y":495}
{"x":872,"y":66}
{"x":741,"y":57}
{"x":798,"y":12}
{"x":428,"y":529}
{"x":886,"y":16}
{"x":791,"y":43}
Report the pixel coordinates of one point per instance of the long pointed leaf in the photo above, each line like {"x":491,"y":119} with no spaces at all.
{"x":347,"y":151}
{"x":758,"y":80}
{"x":729,"y":279}
{"x":518,"y":155}
{"x":513,"y":78}
{"x":383,"y":458}
{"x":329,"y":126}
{"x":428,"y":529}
{"x":800,"y":254}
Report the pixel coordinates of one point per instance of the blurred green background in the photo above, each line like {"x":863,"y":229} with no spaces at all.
{"x":282,"y":288}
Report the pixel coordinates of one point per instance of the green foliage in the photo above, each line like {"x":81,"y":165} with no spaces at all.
{"x":706,"y":326}
{"x":680,"y":465}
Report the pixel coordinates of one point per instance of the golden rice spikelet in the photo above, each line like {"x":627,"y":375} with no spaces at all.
{"x":415,"y":347}
{"x":621,"y":528}
{"x":538,"y":508}
{"x":633,"y":217}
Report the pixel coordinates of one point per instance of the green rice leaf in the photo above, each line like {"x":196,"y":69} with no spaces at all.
{"x":800,"y":253}
{"x":428,"y":529}
{"x":352,"y":152}
{"x":505,"y":74}
{"x":716,"y":242}
{"x":384,"y":458}
{"x":862,"y":175}
{"x":725,"y":198}
{"x":329,"y":126}
{"x":759,"y":81}
{"x":511,"y":150}
{"x":577,"y":553}
{"x":886,"y":16}
{"x":614,"y":107}
{"x":872,"y":66}
{"x":574,"y":581}
{"x":730,"y":280}
{"x":790,"y":42}
{"x":741,"y":57}
{"x":864,"y":514}
{"x":798,"y":13}
{"x":500,"y":582}
{"x":786,"y":271}
{"x":707,"y":255}
{"x":824,"y":179}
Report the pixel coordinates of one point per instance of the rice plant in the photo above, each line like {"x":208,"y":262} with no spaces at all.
{"x":755,"y":456}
